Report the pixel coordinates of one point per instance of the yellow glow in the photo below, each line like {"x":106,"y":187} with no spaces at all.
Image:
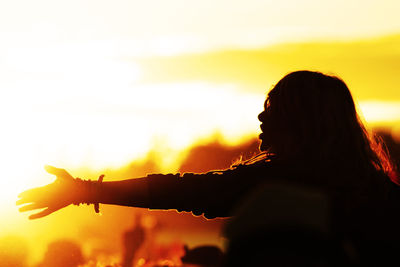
{"x":81,"y":105}
{"x":76,"y":91}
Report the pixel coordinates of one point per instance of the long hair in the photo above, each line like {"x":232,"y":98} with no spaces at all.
{"x":312,"y":115}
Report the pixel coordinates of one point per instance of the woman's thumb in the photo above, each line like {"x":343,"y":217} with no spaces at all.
{"x":60,"y":173}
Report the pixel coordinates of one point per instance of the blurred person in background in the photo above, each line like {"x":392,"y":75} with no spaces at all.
{"x":132,"y":240}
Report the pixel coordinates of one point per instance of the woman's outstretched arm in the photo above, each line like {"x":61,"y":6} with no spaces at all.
{"x":66,"y":190}
{"x":211,"y":194}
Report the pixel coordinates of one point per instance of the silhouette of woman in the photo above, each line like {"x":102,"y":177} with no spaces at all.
{"x":311,"y":135}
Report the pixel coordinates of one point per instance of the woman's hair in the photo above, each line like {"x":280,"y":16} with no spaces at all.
{"x":312,"y":115}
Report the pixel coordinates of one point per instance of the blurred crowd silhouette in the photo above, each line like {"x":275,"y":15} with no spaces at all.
{"x":138,"y":249}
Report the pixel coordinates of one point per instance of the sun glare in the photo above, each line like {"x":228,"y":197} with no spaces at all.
{"x":48,"y":109}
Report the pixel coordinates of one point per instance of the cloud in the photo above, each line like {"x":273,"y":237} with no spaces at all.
{"x":369,"y":66}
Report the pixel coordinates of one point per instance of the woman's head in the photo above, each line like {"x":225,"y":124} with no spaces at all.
{"x":310,"y":114}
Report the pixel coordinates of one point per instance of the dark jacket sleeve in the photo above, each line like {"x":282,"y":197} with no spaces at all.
{"x":212,"y":194}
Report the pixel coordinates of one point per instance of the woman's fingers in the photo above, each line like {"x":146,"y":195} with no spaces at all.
{"x":61,"y":173}
{"x":33,"y":206}
{"x":50,"y":198}
{"x":30,"y":192}
{"x":22,"y":201}
{"x":29,"y":195}
{"x":41,"y":214}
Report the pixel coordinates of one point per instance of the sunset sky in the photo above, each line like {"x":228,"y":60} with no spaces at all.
{"x":97,"y":84}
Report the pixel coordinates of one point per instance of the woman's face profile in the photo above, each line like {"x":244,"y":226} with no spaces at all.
{"x":263,"y":118}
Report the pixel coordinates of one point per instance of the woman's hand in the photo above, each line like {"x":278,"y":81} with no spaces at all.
{"x":51,"y":197}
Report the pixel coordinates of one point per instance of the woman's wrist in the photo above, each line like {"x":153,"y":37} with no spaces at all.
{"x":131,"y":192}
{"x":85,"y":191}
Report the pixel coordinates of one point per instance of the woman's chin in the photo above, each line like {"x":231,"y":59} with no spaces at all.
{"x":262,"y":147}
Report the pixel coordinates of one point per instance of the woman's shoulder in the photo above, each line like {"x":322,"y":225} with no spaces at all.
{"x":266,"y":168}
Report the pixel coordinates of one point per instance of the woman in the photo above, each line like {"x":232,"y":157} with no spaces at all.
{"x":311,"y":135}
